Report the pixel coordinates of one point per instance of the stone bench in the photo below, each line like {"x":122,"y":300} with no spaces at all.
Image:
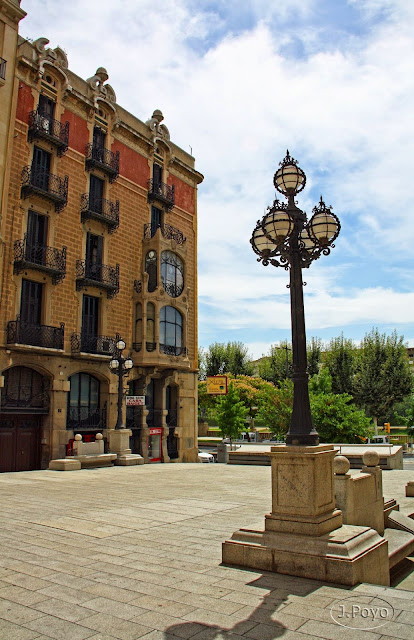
{"x":91,"y":454}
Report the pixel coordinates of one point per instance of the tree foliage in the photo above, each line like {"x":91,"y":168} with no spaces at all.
{"x":382,"y":375}
{"x":337,"y":419}
{"x":231,"y":413}
{"x":340,"y":358}
{"x":232,"y":357}
{"x":276,"y":366}
{"x":275,"y":408}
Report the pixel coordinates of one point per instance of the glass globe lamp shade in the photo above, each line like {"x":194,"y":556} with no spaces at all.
{"x":260,"y":243}
{"x":324,"y":226}
{"x":114,"y":364}
{"x":277,"y":224}
{"x":128,"y":364}
{"x":289,"y":179}
{"x":120,"y":345}
{"x":307,"y":240}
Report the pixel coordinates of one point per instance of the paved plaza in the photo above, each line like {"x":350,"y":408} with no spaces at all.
{"x":134,"y":552}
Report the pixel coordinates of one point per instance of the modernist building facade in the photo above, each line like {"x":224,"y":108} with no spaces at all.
{"x":98,"y":232}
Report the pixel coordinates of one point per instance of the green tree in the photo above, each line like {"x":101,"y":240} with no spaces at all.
{"x":383,"y":375}
{"x":338,"y":419}
{"x":231,"y":413}
{"x":322,"y":383}
{"x":232,"y":357}
{"x":206,"y":402}
{"x":275,"y":408}
{"x":314,"y":354}
{"x":340,"y":358}
{"x":276,"y":366}
{"x":407,"y":417}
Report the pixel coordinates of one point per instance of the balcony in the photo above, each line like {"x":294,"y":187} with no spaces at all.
{"x":100,"y":345}
{"x":36,"y":335}
{"x":85,"y":418}
{"x":3,"y":65}
{"x":167,"y":231}
{"x":46,"y":185}
{"x":103,"y":159}
{"x":93,"y":274}
{"x":100,"y":209}
{"x":44,"y":127}
{"x":171,"y":350}
{"x":41,"y":258}
{"x":161,"y":192}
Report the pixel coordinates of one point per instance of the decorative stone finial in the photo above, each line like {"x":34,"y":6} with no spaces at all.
{"x":99,"y":436}
{"x":154,"y":124}
{"x":341,"y":465}
{"x":78,"y":437}
{"x":99,"y":90}
{"x":370,"y":458}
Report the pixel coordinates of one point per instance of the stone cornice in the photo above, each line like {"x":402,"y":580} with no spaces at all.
{"x":12,"y":10}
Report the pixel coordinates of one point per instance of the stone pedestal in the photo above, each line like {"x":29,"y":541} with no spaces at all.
{"x":304,"y":535}
{"x":118,"y":442}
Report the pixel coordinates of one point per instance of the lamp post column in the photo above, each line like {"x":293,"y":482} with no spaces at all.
{"x":121,"y":373}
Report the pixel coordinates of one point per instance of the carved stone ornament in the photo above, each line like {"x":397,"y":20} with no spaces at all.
{"x":57,"y":58}
{"x":100,"y":91}
{"x":158,"y":129}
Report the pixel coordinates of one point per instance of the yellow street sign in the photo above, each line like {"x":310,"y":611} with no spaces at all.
{"x":217,"y":385}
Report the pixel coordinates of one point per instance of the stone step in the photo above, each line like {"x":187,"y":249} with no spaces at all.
{"x":400,"y":545}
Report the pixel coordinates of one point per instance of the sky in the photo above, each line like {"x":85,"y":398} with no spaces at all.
{"x":241,"y":81}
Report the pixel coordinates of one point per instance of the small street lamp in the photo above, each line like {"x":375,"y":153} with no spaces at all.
{"x":120,"y":366}
{"x":285,"y":238}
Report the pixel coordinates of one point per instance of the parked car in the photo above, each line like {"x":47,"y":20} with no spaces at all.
{"x":379,"y":440}
{"x":204,"y":456}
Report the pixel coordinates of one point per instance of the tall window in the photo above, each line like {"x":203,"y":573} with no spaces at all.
{"x":171,"y":331}
{"x":172,"y":273}
{"x":46,"y":107}
{"x":138,"y":324}
{"x":36,"y":238}
{"x":96,"y":190}
{"x":150,"y":327}
{"x":90,"y":323}
{"x":151,"y":269}
{"x":40,"y":168}
{"x":99,"y":137}
{"x":157,"y":175}
{"x":94,"y":248}
{"x":83,"y":401}
{"x":156,"y":220}
{"x":31,"y":302}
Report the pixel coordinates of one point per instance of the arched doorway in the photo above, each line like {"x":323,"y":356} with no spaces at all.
{"x":24,"y":399}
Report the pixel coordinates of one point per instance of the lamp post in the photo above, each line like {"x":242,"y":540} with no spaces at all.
{"x":120,"y":366}
{"x":285,"y":238}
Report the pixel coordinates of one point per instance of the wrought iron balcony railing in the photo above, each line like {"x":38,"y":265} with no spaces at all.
{"x":173,"y":290}
{"x":41,"y":258}
{"x":102,"y":345}
{"x":3,"y":65}
{"x":95,"y":274}
{"x":104,"y":159}
{"x":100,"y":209}
{"x":43,"y":126}
{"x":163,"y":193}
{"x":45,"y":184}
{"x":168,"y":232}
{"x":85,"y":418}
{"x":36,"y":335}
{"x":171,"y":350}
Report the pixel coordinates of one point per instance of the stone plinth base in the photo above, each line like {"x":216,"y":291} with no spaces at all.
{"x":63,"y":464}
{"x":118,"y":441}
{"x":348,"y":555}
{"x":409,"y":489}
{"x":129,"y":459}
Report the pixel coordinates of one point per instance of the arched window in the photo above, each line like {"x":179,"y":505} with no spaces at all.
{"x":151,"y":269}
{"x":171,"y":331}
{"x":138,"y":327}
{"x":172,"y":273}
{"x":150,"y":342}
{"x":25,"y":388}
{"x":83,"y":403}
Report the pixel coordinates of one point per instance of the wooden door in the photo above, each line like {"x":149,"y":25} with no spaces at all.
{"x":19,"y":442}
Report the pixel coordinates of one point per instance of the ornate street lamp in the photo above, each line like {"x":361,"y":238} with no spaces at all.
{"x":285,"y":238}
{"x":120,"y":366}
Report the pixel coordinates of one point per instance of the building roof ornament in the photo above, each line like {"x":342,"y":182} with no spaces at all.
{"x":56,"y":57}
{"x":158,"y":129}
{"x":100,"y":91}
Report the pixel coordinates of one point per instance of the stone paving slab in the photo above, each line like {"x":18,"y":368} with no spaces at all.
{"x":134,"y":552}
